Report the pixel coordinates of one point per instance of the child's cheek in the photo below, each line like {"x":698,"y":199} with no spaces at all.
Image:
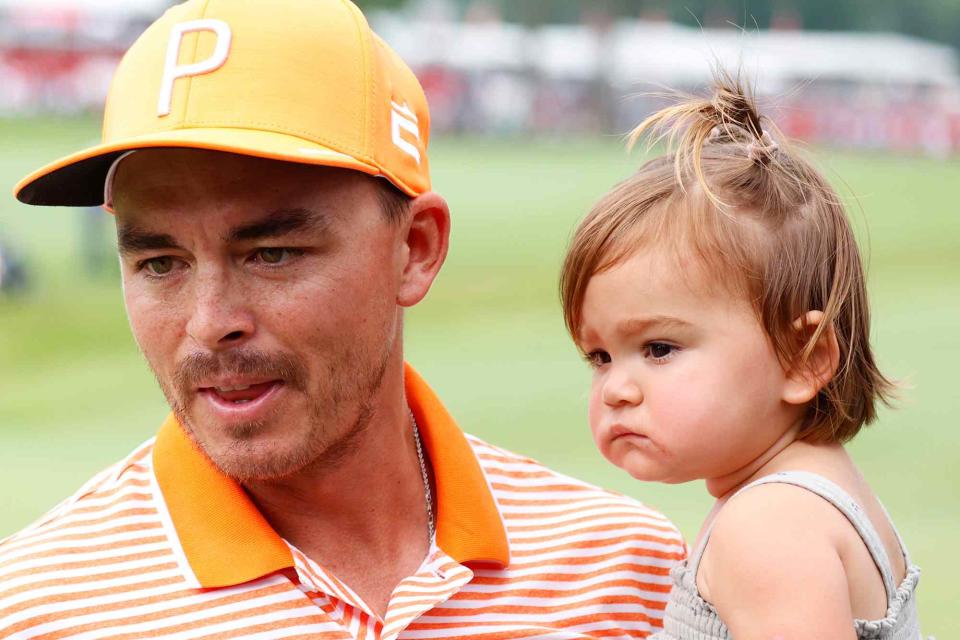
{"x":595,"y":415}
{"x":679,"y":413}
{"x":595,"y":407}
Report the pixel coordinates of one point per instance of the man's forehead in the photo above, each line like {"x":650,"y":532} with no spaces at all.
{"x":184,"y":177}
{"x":148,"y":167}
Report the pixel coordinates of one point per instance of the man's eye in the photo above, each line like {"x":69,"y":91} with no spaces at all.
{"x":271,"y":255}
{"x":660,"y":351}
{"x":597,"y":358}
{"x":158,"y":266}
{"x":274,"y":255}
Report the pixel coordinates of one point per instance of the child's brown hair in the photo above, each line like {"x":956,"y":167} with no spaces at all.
{"x":731,"y":192}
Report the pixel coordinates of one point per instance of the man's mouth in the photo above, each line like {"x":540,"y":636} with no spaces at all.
{"x":241,"y":393}
{"x":238,"y":398}
{"x":237,"y":387}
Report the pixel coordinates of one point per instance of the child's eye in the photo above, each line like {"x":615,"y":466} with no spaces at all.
{"x":597,"y":358}
{"x":660,"y":351}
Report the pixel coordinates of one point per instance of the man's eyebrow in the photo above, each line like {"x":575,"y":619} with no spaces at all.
{"x":279,"y":223}
{"x":131,"y":239}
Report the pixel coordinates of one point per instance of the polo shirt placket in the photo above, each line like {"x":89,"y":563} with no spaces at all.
{"x":437,"y":579}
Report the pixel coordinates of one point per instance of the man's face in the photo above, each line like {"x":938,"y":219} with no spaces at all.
{"x":264,"y":297}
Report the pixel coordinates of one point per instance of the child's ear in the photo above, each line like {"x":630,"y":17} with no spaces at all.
{"x":805,"y":379}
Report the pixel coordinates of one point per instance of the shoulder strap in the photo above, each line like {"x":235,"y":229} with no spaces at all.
{"x":838,"y":498}
{"x":896,"y":532}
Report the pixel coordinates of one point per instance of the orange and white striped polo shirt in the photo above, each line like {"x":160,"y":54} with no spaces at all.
{"x":162,"y":545}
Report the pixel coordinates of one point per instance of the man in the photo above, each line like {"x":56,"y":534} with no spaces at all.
{"x":267,"y":166}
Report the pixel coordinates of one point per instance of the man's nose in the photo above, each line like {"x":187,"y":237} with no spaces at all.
{"x":221,"y":316}
{"x":621,"y":388}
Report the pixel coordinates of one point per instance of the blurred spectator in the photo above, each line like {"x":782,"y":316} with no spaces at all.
{"x":13,"y":272}
{"x":97,"y":255}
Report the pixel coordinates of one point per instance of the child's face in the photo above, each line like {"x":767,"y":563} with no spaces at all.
{"x":686,"y":384}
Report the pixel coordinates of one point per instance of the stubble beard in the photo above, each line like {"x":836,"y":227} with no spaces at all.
{"x":345,"y":395}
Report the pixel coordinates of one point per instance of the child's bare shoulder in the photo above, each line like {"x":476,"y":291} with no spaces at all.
{"x":777,"y":514}
{"x":765,"y":543}
{"x":769,"y":534}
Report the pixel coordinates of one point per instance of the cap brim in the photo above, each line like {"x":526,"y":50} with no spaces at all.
{"x":78,"y":179}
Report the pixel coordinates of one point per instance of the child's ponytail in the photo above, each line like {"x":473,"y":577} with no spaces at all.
{"x":695,"y":125}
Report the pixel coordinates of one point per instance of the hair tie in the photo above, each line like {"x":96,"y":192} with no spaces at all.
{"x":763,"y":148}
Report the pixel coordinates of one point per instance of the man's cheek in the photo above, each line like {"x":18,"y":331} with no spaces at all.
{"x":158,"y":338}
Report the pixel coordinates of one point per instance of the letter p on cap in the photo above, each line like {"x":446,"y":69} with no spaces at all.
{"x":172,"y":70}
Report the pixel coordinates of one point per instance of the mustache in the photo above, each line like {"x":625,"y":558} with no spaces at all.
{"x":201,"y":366}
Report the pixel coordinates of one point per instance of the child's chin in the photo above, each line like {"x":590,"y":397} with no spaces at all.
{"x":656,"y":475}
{"x":647,"y":475}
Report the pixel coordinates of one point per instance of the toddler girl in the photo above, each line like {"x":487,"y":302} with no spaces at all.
{"x":719,"y":297}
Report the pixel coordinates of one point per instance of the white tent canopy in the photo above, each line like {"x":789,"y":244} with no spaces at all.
{"x":641,"y":53}
{"x":638,"y":52}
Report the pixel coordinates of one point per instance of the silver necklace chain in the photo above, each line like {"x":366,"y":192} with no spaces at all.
{"x":431,"y":529}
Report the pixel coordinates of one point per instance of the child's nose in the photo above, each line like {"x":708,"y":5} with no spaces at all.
{"x":620,"y":388}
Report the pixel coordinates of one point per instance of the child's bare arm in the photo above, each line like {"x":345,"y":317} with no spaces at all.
{"x":772,"y":568}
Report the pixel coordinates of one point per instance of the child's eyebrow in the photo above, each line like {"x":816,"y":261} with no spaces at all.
{"x":632,"y":326}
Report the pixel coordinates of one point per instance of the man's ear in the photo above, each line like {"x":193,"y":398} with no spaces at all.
{"x":808,"y":376}
{"x":423,"y":246}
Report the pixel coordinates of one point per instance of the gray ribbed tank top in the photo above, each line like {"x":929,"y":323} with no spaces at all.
{"x":690,"y":617}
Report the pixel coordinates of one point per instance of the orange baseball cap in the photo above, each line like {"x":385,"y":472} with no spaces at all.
{"x":297,"y":80}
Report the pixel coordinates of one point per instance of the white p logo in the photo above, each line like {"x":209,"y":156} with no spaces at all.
{"x":172,"y":70}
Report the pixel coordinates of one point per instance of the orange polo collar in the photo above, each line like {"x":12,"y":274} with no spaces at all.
{"x":226,"y":541}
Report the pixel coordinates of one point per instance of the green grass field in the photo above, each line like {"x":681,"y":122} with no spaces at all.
{"x":75,"y":394}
